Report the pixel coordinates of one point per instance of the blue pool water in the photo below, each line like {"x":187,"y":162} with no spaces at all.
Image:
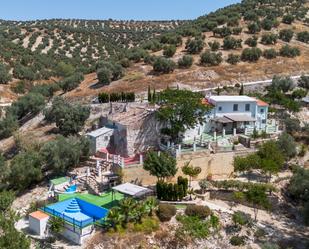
{"x":77,"y":211}
{"x":71,"y":189}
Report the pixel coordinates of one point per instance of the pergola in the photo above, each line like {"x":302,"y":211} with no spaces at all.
{"x":132,"y":190}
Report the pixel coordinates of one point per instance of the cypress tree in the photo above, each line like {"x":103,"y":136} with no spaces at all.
{"x":154,"y":96}
{"x":149,"y":95}
{"x":241,"y":91}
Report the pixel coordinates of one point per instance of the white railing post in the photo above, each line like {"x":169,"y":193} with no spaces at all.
{"x":215,"y":135}
{"x":141,"y":159}
{"x":179,"y":148}
{"x":234,"y":132}
{"x":223,"y":132}
{"x":194,"y":146}
{"x":168,"y":144}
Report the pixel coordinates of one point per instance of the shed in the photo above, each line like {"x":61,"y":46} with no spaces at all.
{"x":132,"y":190}
{"x":100,"y":138}
{"x":38,"y":222}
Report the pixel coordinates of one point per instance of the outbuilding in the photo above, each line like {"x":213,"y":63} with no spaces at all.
{"x":38,"y":222}
{"x":100,"y":138}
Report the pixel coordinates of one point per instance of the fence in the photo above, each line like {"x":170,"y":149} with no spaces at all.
{"x":74,"y":222}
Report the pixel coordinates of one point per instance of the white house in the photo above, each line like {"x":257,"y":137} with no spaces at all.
{"x":232,"y":114}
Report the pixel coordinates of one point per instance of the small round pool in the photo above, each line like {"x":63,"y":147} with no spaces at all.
{"x":71,"y":189}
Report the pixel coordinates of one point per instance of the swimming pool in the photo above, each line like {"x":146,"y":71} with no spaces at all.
{"x":77,"y":212}
{"x":71,"y":189}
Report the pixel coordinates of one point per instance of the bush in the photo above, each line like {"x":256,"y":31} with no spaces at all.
{"x":195,"y":227}
{"x":237,"y":240}
{"x":195,"y":46}
{"x":104,"y":76}
{"x":69,"y":118}
{"x":268,"y":23}
{"x":233,"y":59}
{"x":288,"y":51}
{"x":185,"y":62}
{"x":165,"y":212}
{"x":19,"y":88}
{"x":251,"y":54}
{"x":32,"y":103}
{"x":241,"y":218}
{"x":269,"y":39}
{"x":214,"y":46}
{"x":270,"y":53}
{"x":304,"y":82}
{"x":251,"y":41}
{"x":23,"y":72}
{"x":222,"y":32}
{"x":108,"y":71}
{"x":169,"y":51}
{"x":286,"y":35}
{"x":211,"y":59}
{"x":303,"y":36}
{"x":5,"y":77}
{"x":64,"y":70}
{"x":199,"y":211}
{"x":254,"y":28}
{"x":236,"y":30}
{"x":71,"y":82}
{"x":287,"y":19}
{"x":8,"y":125}
{"x":231,"y":43}
{"x":163,"y":65}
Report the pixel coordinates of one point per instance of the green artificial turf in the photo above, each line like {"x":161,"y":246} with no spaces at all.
{"x":105,"y":200}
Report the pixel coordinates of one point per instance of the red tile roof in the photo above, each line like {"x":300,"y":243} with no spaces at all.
{"x":206,"y":102}
{"x":39,"y":215}
{"x":261,"y":103}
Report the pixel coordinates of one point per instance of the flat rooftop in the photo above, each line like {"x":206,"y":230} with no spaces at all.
{"x":100,"y":132}
{"x":228,"y":98}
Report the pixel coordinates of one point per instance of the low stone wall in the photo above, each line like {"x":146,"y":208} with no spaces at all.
{"x":220,"y":166}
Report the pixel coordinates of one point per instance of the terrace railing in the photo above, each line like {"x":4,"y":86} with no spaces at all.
{"x":74,"y":222}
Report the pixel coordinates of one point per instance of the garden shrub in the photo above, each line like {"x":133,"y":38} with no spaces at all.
{"x":165,"y":212}
{"x":197,"y":210}
{"x":237,"y":240}
{"x":241,"y":218}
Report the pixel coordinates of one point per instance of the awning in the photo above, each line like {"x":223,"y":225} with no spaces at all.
{"x":222,"y":120}
{"x":240,"y":118}
{"x":132,"y":190}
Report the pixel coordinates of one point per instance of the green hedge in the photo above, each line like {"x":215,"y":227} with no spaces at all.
{"x":172,"y":192}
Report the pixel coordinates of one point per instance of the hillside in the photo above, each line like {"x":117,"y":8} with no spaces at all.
{"x":32,"y":51}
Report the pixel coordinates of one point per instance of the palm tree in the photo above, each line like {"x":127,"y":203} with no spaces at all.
{"x":152,"y":204}
{"x":140,"y":211}
{"x":126,"y":206}
{"x":56,"y":224}
{"x":191,"y":171}
{"x":114,"y":217}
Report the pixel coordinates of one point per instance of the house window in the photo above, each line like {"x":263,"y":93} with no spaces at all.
{"x":263,"y":121}
{"x":220,"y":108}
{"x":262,"y":110}
{"x":247,"y":107}
{"x":106,"y":138}
{"x":246,"y":123}
{"x":235,"y":107}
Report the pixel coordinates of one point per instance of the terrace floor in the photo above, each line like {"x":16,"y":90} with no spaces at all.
{"x":105,"y":200}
